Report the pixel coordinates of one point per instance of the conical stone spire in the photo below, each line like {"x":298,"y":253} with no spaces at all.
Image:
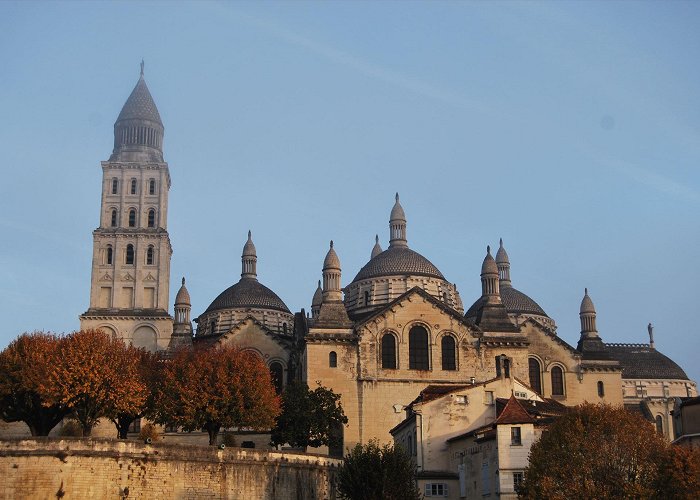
{"x":331,"y":276}
{"x":249,"y":259}
{"x":317,"y":300}
{"x":489,"y":279}
{"x":397,"y":225}
{"x":138,"y":131}
{"x":587,"y":314}
{"x":503,"y":265}
{"x":377,"y":247}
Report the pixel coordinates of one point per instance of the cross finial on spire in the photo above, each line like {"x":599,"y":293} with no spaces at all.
{"x":397,"y":196}
{"x":142,"y":65}
{"x":488,"y":249}
{"x":500,"y":242}
{"x":183,"y":281}
{"x":331,"y":243}
{"x":585,"y":291}
{"x":250,"y":234}
{"x":376,"y":238}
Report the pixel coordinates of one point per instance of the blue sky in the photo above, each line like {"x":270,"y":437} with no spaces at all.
{"x":571,"y":130}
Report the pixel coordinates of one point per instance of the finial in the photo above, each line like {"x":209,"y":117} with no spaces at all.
{"x":183,"y":281}
{"x":585,"y":290}
{"x":142,"y":65}
{"x":319,"y":283}
{"x":331,"y":243}
{"x":397,"y":196}
{"x":650,"y":328}
{"x":250,"y":234}
{"x":500,"y":242}
{"x":488,"y":249}
{"x":376,"y":238}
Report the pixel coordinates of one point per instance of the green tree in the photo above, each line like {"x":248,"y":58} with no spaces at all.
{"x":371,"y":472}
{"x":215,"y":388}
{"x":24,"y":365}
{"x":309,"y":417}
{"x":602,"y":451}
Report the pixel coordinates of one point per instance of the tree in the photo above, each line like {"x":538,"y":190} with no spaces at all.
{"x":309,"y":418}
{"x":148,"y":373}
{"x":214,"y":388}
{"x":601,"y":451}
{"x":24,"y":365}
{"x":371,"y":472}
{"x":96,"y":376}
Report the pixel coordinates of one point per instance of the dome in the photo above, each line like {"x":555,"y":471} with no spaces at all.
{"x":249,"y":247}
{"x":140,"y":105}
{"x":489,"y":266}
{"x":318,"y":296}
{"x":587,"y":304}
{"x":640,"y":361}
{"x":331,"y":261}
{"x":502,"y":255}
{"x":515,"y":301}
{"x":397,"y":212}
{"x":183,"y":296}
{"x":399,"y":261}
{"x":377,"y":249}
{"x":248,"y":293}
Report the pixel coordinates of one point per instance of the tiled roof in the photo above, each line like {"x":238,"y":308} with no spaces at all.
{"x":248,"y":293}
{"x":399,"y":261}
{"x":514,"y":413}
{"x":516,"y":302}
{"x":639,"y":361}
{"x":140,"y":105}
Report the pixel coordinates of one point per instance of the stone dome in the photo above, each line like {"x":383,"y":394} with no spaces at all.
{"x":397,"y":212}
{"x":331,"y":261}
{"x":398,"y":261}
{"x":248,"y":293}
{"x":515,"y":301}
{"x":318,"y":296}
{"x":183,"y":296}
{"x":140,"y":105}
{"x":587,"y":304}
{"x":489,"y":266}
{"x":249,"y":247}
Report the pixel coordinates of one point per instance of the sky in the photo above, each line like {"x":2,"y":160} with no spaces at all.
{"x":570,"y":130}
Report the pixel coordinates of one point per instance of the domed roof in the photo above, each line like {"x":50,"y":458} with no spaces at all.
{"x":587,"y":304}
{"x":249,"y":247}
{"x":502,"y":255}
{"x":398,"y":261}
{"x":516,"y":302}
{"x":331,"y":261}
{"x":140,"y":105}
{"x":183,"y":296}
{"x":318,"y":296}
{"x":489,"y":266}
{"x":640,"y":361}
{"x":397,"y":212}
{"x":377,"y":249}
{"x":248,"y":293}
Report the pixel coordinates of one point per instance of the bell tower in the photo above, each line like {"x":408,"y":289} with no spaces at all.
{"x":131,"y":247}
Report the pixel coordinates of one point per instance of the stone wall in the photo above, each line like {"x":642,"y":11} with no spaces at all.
{"x":100,"y":468}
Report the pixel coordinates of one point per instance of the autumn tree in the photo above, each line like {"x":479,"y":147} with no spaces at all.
{"x":371,"y":472}
{"x":601,"y":451}
{"x":97,"y":376}
{"x":147,"y":372}
{"x":215,"y":388}
{"x":24,"y":366}
{"x":309,"y":417}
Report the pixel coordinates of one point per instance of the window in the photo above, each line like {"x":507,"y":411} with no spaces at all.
{"x":366,"y":297}
{"x":109,"y":255}
{"x":133,"y":186}
{"x":515,"y":438}
{"x":601,"y":389}
{"x":517,"y":480}
{"x":130,"y":254}
{"x":152,"y":186}
{"x":149,"y":256}
{"x":151,"y":218}
{"x":213,"y":327}
{"x":448,"y":353}
{"x":535,"y":375}
{"x":557,"y":381}
{"x":502,"y":361}
{"x":113,"y":218}
{"x":132,"y":217}
{"x":277,"y":373}
{"x":332,"y":359}
{"x":659,"y":424}
{"x":284,"y":328}
{"x":436,"y":490}
{"x":488,"y":397}
{"x":115,"y":186}
{"x":388,"y":351}
{"x":418,"y":349}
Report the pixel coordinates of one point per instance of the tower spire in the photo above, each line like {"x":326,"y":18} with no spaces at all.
{"x":331,"y":277}
{"x":503,"y":265}
{"x":587,"y":314}
{"x":377,"y":247}
{"x":490,"y":290}
{"x":397,"y":225}
{"x":142,"y":65}
{"x":249,"y":259}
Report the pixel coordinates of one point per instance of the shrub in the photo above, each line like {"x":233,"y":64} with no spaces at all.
{"x":71,"y":428}
{"x":149,"y":431}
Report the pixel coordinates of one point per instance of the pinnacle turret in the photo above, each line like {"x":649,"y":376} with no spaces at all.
{"x":249,"y":259}
{"x":397,"y":225}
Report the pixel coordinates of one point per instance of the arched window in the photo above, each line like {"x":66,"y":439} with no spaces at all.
{"x":132,"y":217}
{"x":133,"y":186}
{"x":535,"y":375}
{"x":113,"y":218}
{"x":130,"y":254}
{"x":418,"y":349}
{"x":448,"y":353}
{"x":502,"y":362}
{"x":151,"y":218}
{"x":284,"y":328}
{"x":333,"y":359}
{"x":601,"y":389}
{"x":115,"y":185}
{"x":659,"y":424}
{"x":152,"y":186}
{"x":388,"y":351}
{"x":366,"y":297}
{"x":109,"y":255}
{"x":557,"y":381}
{"x":149,"y":255}
{"x":277,"y":373}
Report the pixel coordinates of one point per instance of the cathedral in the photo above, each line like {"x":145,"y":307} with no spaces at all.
{"x":379,"y":339}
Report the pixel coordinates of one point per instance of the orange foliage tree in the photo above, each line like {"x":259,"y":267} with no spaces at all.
{"x":96,"y":377}
{"x":24,"y":365}
{"x":147,"y":372}
{"x":215,"y":388}
{"x":601,"y":451}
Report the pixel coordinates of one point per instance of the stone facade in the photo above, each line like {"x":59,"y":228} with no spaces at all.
{"x":81,"y":468}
